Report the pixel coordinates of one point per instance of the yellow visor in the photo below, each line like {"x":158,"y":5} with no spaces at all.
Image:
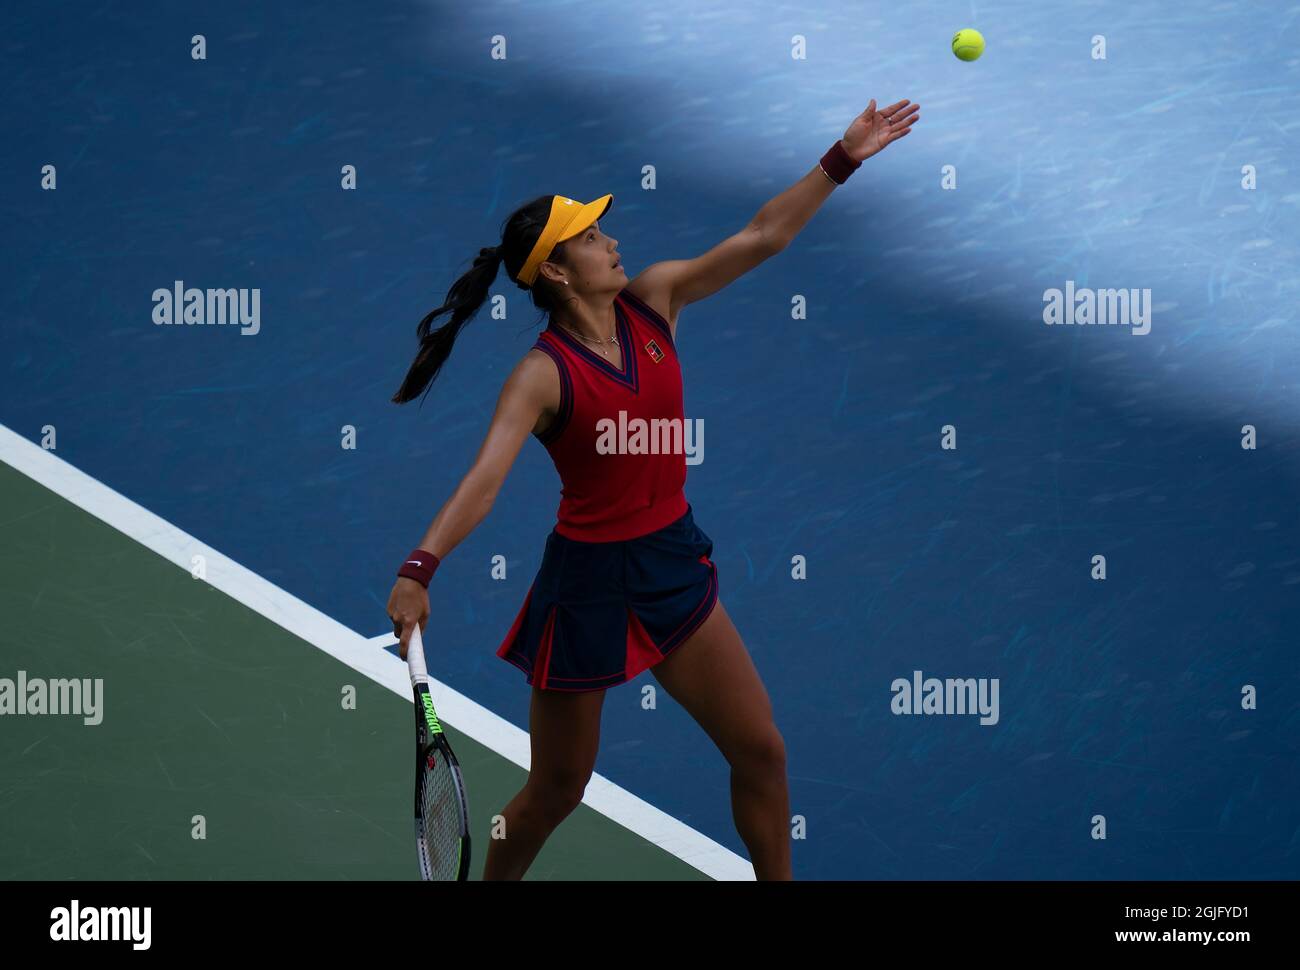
{"x":568,"y":218}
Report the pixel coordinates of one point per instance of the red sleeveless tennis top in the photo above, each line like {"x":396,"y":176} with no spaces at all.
{"x":622,"y":467}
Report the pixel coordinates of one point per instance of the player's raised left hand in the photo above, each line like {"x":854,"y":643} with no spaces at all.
{"x":872,"y":130}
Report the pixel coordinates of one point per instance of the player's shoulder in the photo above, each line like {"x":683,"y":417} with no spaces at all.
{"x":537,"y":368}
{"x":649,"y":298}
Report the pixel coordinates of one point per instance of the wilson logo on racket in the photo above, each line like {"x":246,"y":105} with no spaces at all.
{"x":429,"y":715}
{"x":653,"y":350}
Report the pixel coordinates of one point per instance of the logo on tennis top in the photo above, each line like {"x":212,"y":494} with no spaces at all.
{"x":655,"y":353}
{"x":429,"y":716}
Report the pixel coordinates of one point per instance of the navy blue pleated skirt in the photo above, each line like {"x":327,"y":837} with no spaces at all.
{"x":599,"y":613}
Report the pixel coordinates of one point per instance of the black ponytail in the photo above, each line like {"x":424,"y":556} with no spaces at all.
{"x":463,"y":301}
{"x":468,"y":294}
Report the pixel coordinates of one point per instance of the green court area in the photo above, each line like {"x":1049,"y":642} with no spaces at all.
{"x":209,"y":709}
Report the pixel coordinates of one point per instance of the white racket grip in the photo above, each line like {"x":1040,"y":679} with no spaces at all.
{"x":415,"y":657}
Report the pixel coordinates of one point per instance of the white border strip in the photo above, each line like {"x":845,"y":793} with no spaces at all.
{"x":361,"y":654}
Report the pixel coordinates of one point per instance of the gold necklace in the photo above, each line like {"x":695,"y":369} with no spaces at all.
{"x":608,"y":340}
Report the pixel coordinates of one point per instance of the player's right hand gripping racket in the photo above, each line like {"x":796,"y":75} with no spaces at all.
{"x":441,"y":811}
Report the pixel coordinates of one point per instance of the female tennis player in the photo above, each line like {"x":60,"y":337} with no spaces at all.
{"x":626,"y":583}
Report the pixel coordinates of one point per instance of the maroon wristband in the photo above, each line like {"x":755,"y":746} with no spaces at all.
{"x":419,"y":566}
{"x":837,"y":164}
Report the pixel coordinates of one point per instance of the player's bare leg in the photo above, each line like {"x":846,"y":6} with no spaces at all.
{"x":564,"y":732}
{"x":712,"y":676}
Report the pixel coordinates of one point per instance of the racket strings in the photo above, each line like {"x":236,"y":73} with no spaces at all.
{"x":441,"y":821}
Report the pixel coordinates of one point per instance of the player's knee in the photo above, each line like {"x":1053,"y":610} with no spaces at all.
{"x":765,"y":752}
{"x":557,"y":796}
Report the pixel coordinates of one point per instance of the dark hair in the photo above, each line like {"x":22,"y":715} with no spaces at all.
{"x":518,"y":236}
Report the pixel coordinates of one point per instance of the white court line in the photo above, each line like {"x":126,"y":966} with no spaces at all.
{"x":365,"y":655}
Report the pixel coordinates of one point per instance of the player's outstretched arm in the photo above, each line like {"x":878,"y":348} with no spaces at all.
{"x":673,"y":284}
{"x":532,"y":388}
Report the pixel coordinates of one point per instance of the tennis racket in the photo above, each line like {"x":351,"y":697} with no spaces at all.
{"x":441,"y":811}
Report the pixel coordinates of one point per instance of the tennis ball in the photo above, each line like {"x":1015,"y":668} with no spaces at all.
{"x":968,"y":44}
